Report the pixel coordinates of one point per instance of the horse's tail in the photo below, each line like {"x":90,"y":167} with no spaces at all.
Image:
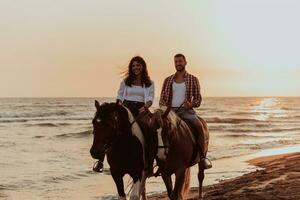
{"x":186,"y":184}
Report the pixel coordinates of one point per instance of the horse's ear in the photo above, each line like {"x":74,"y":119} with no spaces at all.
{"x":166,"y":113}
{"x":97,"y":105}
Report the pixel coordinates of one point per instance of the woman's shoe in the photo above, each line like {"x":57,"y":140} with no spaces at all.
{"x":98,"y":167}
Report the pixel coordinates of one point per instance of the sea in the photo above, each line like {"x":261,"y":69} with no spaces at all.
{"x":45,"y":142}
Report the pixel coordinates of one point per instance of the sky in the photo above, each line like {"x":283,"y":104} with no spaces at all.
{"x":79,"y":48}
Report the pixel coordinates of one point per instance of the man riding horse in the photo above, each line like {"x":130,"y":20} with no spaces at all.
{"x":181,"y":92}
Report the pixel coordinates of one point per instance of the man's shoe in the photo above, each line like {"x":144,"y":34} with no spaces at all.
{"x":98,"y":167}
{"x":207,"y":163}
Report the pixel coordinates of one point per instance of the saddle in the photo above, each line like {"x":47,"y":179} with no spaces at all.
{"x":194,"y":130}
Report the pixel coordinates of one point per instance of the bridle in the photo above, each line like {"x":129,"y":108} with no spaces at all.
{"x":140,"y":115}
{"x":166,"y":145}
{"x":113,"y":127}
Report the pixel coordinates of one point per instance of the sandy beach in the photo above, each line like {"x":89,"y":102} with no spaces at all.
{"x":279,"y":179}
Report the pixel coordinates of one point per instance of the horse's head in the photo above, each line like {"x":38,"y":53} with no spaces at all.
{"x":106,"y":125}
{"x":160,"y":120}
{"x":162,"y":123}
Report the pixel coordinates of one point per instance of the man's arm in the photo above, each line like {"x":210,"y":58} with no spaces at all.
{"x":197,"y":94}
{"x":163,"y":93}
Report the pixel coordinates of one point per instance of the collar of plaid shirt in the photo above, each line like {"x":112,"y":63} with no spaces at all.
{"x":167,"y":93}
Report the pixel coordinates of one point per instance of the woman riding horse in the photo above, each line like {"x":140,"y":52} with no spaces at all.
{"x":115,"y":135}
{"x":136,"y":92}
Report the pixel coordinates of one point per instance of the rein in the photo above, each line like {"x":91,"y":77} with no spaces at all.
{"x":139,"y":117}
{"x":107,"y":145}
{"x":177,"y":109}
{"x":166,"y":147}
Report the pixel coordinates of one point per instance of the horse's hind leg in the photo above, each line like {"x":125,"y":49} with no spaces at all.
{"x":179,"y":182}
{"x":168,"y":183}
{"x":120,"y":185}
{"x":200,"y":178}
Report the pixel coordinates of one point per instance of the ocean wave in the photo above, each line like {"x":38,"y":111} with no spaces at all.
{"x":47,"y":106}
{"x":245,"y":113}
{"x":75,"y":135}
{"x":39,"y":136}
{"x":230,"y":155}
{"x":43,"y":124}
{"x":45,"y":119}
{"x":7,"y":144}
{"x":231,"y":120}
{"x":32,"y":114}
{"x":65,"y":118}
{"x":57,"y":179}
{"x":49,"y":124}
{"x":290,"y":108}
{"x":272,"y":144}
{"x":275,"y":130}
{"x":12,"y":120}
{"x":243,"y":136}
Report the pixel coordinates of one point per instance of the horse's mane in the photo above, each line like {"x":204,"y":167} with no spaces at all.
{"x":107,"y":108}
{"x":175,"y":122}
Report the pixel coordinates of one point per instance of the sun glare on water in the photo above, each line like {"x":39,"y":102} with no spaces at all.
{"x":266,"y":108}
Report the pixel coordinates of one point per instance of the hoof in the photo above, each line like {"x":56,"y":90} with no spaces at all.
{"x":201,"y":197}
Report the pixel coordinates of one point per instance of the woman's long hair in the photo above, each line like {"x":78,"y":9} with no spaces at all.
{"x":130,"y":76}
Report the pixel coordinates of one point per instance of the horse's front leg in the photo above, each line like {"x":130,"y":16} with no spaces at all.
{"x":200,"y":178}
{"x":136,"y":188}
{"x":179,"y":182}
{"x":143,"y":186}
{"x":118,"y":178}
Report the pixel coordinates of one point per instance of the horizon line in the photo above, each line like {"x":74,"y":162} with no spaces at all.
{"x":261,"y":96}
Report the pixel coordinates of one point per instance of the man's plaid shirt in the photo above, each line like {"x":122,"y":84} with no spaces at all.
{"x":192,"y":90}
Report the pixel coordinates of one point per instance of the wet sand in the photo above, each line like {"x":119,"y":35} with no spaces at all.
{"x":279,"y":179}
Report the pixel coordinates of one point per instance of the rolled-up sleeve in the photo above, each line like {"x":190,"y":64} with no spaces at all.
{"x":121,"y":90}
{"x":197,"y":93}
{"x":151,"y":93}
{"x":162,"y":94}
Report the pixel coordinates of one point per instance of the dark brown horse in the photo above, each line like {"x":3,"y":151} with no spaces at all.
{"x":113,"y":135}
{"x":178,"y":152}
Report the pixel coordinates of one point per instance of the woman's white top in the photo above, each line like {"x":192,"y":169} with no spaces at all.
{"x":179,"y":91}
{"x":136,"y":93}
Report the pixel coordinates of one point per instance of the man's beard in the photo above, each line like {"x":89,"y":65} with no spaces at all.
{"x":180,"y":68}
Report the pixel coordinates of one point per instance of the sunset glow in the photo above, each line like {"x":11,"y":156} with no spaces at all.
{"x":79,"y":48}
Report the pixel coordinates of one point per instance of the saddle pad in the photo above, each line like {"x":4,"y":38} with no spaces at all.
{"x":136,"y":130}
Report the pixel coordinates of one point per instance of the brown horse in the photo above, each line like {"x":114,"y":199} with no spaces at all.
{"x":178,"y":152}
{"x":113,"y":129}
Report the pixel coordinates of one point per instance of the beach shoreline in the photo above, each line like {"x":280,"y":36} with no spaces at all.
{"x":276,"y":177}
{"x":45,"y":144}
